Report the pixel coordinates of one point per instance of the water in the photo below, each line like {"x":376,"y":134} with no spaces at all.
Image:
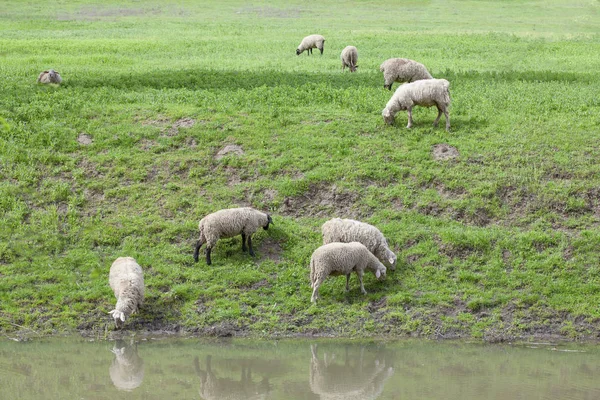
{"x":293,"y":369}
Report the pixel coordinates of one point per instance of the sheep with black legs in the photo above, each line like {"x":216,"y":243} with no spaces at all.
{"x":229,"y":223}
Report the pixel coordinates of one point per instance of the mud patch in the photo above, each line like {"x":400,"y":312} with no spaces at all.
{"x":147,"y":144}
{"x":271,"y":250}
{"x":325,"y":201}
{"x":180,"y":123}
{"x":84,"y":139}
{"x":228,"y":150}
{"x":444,"y":151}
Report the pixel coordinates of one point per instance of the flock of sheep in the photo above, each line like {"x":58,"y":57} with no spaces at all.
{"x":348,"y":245}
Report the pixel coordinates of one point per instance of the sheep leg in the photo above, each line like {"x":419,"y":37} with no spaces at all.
{"x":410,"y":120}
{"x":435,"y":123}
{"x":321,"y":49}
{"x":250,"y":246}
{"x":347,"y":282}
{"x":447,"y":119}
{"x":244,"y":242}
{"x":208,"y":249}
{"x":315,"y":293}
{"x":197,"y":250}
{"x":362,"y":287}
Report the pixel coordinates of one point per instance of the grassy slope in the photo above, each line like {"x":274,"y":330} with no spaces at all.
{"x":501,"y":242}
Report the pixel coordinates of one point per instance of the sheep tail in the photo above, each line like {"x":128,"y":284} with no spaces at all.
{"x":312,"y":272}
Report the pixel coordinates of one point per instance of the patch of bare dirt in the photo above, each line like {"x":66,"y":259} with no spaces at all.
{"x":230,"y":149}
{"x":325,"y":201}
{"x":181,"y":123}
{"x":147,"y":144}
{"x":84,"y":139}
{"x":270,"y":249}
{"x":444,"y":151}
{"x":191,"y":142}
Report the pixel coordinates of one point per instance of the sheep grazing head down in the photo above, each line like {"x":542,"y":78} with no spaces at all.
{"x":388,"y":117}
{"x":380,"y":273}
{"x":353,"y":68}
{"x":269,"y":221}
{"x":298,"y":52}
{"x":119,"y":317}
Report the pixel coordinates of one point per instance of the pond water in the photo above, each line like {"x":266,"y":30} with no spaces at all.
{"x":295,"y":369}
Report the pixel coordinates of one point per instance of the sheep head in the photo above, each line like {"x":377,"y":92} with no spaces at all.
{"x":388,"y":117}
{"x":119,"y":317}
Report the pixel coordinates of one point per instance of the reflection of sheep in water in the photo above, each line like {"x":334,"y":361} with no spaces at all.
{"x":358,"y":380}
{"x":212,"y":387}
{"x":127,"y":369}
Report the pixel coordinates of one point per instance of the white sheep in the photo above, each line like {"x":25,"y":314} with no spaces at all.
{"x":127,"y":369}
{"x":349,"y":230}
{"x":426,"y":93}
{"x":229,"y":223}
{"x":311,"y":42}
{"x":349,"y":58}
{"x":342,"y":259}
{"x":402,"y":70}
{"x":356,"y":377}
{"x":50,"y":76}
{"x":126,"y":279}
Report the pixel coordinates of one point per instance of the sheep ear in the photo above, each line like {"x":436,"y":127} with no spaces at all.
{"x":392,"y":260}
{"x":122,"y":317}
{"x":377,"y":274}
{"x":269,"y":220}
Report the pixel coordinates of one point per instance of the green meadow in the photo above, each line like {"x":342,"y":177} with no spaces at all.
{"x":122,"y":159}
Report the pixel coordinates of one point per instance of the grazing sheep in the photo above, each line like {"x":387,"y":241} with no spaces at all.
{"x":349,"y":230}
{"x":50,"y":76}
{"x":311,"y":42}
{"x":402,"y":70}
{"x":349,"y":58}
{"x":426,"y":93}
{"x":228,"y":223}
{"x":356,"y":377}
{"x":342,"y":259}
{"x":127,"y":369}
{"x":126,"y":279}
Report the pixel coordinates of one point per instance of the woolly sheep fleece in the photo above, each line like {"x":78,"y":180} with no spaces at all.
{"x":126,"y":279}
{"x":50,"y":76}
{"x":311,"y":42}
{"x":426,"y":93}
{"x":336,"y":259}
{"x":228,"y":223}
{"x":349,"y":58}
{"x":349,"y":230}
{"x":402,"y":70}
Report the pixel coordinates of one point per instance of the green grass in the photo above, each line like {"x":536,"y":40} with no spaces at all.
{"x":501,"y":242}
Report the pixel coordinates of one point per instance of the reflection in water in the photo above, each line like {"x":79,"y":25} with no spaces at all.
{"x":127,"y":368}
{"x":357,"y":378}
{"x":212,"y":387}
{"x":294,"y":370}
